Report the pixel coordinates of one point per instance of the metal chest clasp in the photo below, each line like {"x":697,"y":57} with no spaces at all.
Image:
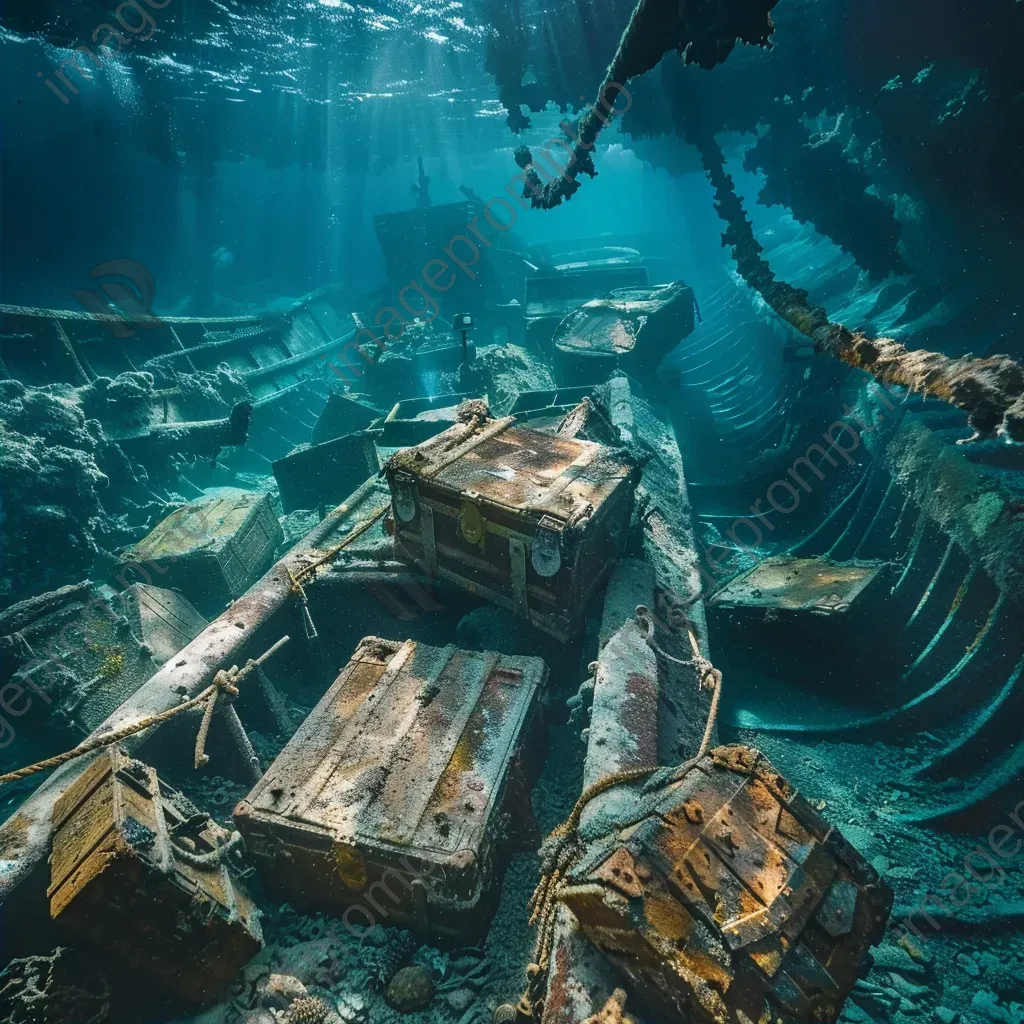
{"x":546,"y":549}
{"x":471,"y":521}
{"x":405,"y":497}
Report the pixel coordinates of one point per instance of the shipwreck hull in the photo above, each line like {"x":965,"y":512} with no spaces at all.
{"x":941,"y":524}
{"x":273,"y":362}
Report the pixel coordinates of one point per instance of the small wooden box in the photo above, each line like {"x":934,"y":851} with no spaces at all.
{"x":119,"y":878}
{"x":531,"y":521}
{"x":211,"y":550}
{"x":397,"y":799}
{"x":326,"y":474}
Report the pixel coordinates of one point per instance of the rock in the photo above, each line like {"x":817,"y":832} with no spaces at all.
{"x":375,"y":936}
{"x":410,"y":989}
{"x":896,"y":958}
{"x":259,"y":1017}
{"x":460,"y":999}
{"x":281,"y":990}
{"x":907,"y":989}
{"x":967,"y":963}
{"x":987,"y":1004}
{"x":853,"y":1014}
{"x":944,"y":1015}
{"x":254,"y":971}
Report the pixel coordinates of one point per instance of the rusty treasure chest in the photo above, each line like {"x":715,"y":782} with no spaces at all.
{"x":139,"y":872}
{"x":728,"y":898}
{"x":396,"y":799}
{"x":531,"y":521}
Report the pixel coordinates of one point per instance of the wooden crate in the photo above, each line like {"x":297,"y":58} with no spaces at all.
{"x":211,"y":550}
{"x":399,"y":797}
{"x":528,"y":520}
{"x":120,"y":879}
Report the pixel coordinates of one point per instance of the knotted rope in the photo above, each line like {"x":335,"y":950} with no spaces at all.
{"x":223,"y":681}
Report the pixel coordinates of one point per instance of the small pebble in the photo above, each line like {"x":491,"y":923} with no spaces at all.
{"x":461,"y":999}
{"x":968,"y":965}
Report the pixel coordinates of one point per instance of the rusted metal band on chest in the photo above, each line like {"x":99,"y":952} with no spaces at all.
{"x":517,"y":566}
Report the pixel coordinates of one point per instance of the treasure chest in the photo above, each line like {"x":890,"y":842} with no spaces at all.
{"x":528,"y":520}
{"x":632,"y":329}
{"x":729,"y":898}
{"x":398,"y":798}
{"x":315,"y":475}
{"x":138,"y":872}
{"x":550,"y":297}
{"x":211,"y":550}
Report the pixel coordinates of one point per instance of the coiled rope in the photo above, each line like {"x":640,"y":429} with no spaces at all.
{"x":708,"y":678}
{"x":212,"y":859}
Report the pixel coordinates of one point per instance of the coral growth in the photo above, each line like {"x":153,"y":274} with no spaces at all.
{"x":51,"y":484}
{"x":44,"y":989}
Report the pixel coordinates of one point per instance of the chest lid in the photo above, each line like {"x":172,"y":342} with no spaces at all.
{"x":208,"y":525}
{"x":518,"y":468}
{"x":410,"y":747}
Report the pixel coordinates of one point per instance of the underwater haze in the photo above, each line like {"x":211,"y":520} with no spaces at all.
{"x":511,"y":511}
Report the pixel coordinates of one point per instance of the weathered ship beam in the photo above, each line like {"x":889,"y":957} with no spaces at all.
{"x":204,"y":437}
{"x":268,"y":330}
{"x":705,"y":38}
{"x":646,"y":710}
{"x":623,"y":735}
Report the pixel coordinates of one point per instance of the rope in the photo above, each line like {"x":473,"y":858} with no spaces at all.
{"x":705,"y":672}
{"x":563,"y":847}
{"x":309,"y":570}
{"x":308,"y":625}
{"x":221,"y":681}
{"x":211,"y":859}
